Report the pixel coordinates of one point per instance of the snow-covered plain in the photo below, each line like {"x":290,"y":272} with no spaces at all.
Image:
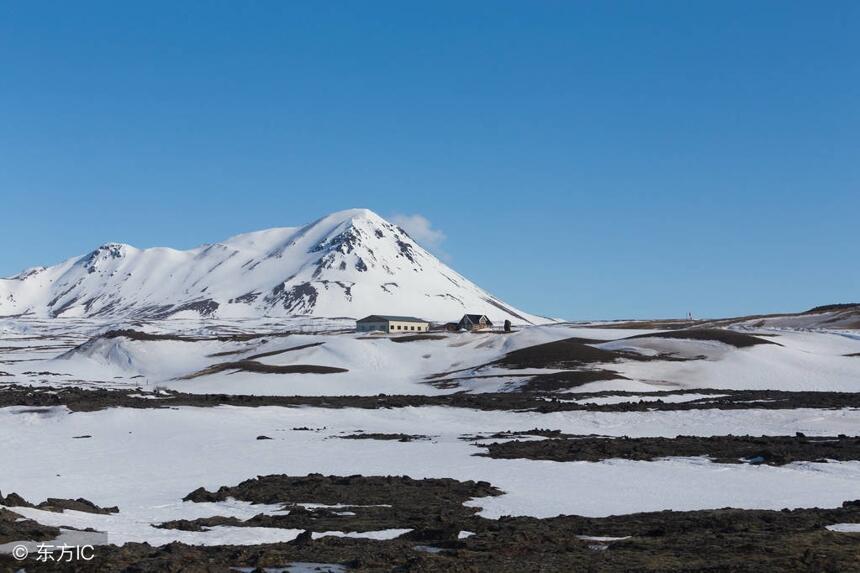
{"x":804,"y":360}
{"x":146,"y":460}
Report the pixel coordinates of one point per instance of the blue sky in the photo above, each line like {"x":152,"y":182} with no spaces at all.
{"x":582,"y":159}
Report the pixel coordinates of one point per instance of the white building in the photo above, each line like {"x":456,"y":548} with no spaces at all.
{"x":391,"y":324}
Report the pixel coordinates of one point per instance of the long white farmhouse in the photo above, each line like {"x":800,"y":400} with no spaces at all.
{"x":387,"y":323}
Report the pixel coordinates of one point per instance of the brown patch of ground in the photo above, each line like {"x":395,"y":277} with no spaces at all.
{"x":148,"y":336}
{"x":657,"y":324}
{"x":227,"y":353}
{"x":382,"y":436}
{"x":14,"y":527}
{"x":560,"y":354}
{"x":832,"y":307}
{"x":730,"y":337}
{"x":260,"y":368}
{"x":360,"y":490}
{"x":85,"y":399}
{"x":57,"y":504}
{"x":568,"y":379}
{"x":770,"y":450}
{"x":263,"y":354}
{"x":417,"y":337}
{"x":845,"y":311}
{"x":44,"y":373}
{"x":713,"y":541}
{"x":363,"y":503}
{"x":569,"y":353}
{"x":276,"y":352}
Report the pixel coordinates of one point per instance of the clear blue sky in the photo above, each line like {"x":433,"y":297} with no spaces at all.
{"x":583,"y":159}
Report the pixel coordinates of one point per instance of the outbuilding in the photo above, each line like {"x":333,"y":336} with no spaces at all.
{"x":391,"y":324}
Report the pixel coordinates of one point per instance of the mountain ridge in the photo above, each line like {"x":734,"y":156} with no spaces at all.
{"x":349,"y":263}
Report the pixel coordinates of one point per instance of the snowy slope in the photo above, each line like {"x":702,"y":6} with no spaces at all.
{"x":831,"y":317}
{"x":350,"y":263}
{"x":372,"y":365}
{"x":451,"y":362}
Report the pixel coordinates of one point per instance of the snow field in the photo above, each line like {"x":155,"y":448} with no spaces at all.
{"x":145,"y":461}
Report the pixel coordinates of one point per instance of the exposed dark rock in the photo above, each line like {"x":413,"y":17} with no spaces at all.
{"x":13,"y":528}
{"x":80,"y":504}
{"x":14,"y":500}
{"x":832,"y":307}
{"x":57,"y":504}
{"x":303,"y":538}
{"x":356,"y":489}
{"x":708,"y":541}
{"x":407,"y":251}
{"x":44,"y":373}
{"x":297,"y":299}
{"x":382,"y":436}
{"x":285,"y":350}
{"x":731,"y":337}
{"x":86,"y":399}
{"x":344,"y":242}
{"x":560,"y":354}
{"x":417,"y":337}
{"x":260,"y":368}
{"x":365,"y":503}
{"x":246,"y":298}
{"x":206,"y":307}
{"x":140,"y":335}
{"x":568,"y":379}
{"x":769,"y":450}
{"x":103,"y":253}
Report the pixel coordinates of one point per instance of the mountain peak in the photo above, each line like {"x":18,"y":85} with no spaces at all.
{"x":348,"y":263}
{"x":357,"y":213}
{"x":350,"y":217}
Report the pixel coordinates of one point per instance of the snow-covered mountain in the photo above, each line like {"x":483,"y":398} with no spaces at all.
{"x":350,"y":263}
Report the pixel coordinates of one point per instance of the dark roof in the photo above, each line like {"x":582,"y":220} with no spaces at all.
{"x":389,"y":318}
{"x":475,"y":317}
